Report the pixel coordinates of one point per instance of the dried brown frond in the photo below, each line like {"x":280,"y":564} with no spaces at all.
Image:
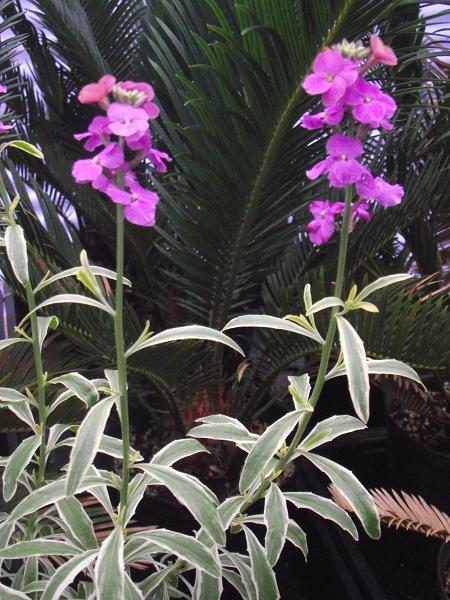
{"x":405,"y":511}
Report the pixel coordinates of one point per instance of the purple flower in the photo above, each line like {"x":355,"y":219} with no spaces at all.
{"x":140,"y":204}
{"x":361,"y":211}
{"x":90,"y":169}
{"x":341,"y":164}
{"x":370,"y":105}
{"x":322,"y":227}
{"x":3,"y":89}
{"x":332,"y":74}
{"x":332,"y":115}
{"x":375,"y":188}
{"x":127,"y":120}
{"x":4,"y":127}
{"x":159,"y":159}
{"x":97,"y":133}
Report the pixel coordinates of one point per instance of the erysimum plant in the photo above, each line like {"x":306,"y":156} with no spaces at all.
{"x":50,"y":521}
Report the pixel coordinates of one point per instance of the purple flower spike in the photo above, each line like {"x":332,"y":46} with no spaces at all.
{"x":159,"y":159}
{"x":127,"y":120}
{"x":3,"y":89}
{"x":377,"y":189}
{"x":4,"y":127}
{"x":97,"y":133}
{"x":332,"y":74}
{"x":322,"y":227}
{"x":343,"y":151}
{"x":370,"y":105}
{"x":332,"y":115}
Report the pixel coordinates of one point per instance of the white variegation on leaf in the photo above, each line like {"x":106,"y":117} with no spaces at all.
{"x":329,"y":429}
{"x":276,"y":519}
{"x":110,"y":567}
{"x":16,"y":249}
{"x":269,"y":322}
{"x":17,"y":463}
{"x":80,"y":387}
{"x":380,"y":283}
{"x":356,"y":367}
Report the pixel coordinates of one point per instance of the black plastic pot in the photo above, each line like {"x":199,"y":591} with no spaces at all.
{"x":443,"y":566}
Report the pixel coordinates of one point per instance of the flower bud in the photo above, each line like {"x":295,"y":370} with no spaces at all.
{"x":354,"y":50}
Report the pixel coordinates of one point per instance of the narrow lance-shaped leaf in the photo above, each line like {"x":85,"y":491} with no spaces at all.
{"x":267,"y":321}
{"x":10,"y":341}
{"x":17,"y":463}
{"x":297,"y":536}
{"x":110,"y":568}
{"x":175,"y":451}
{"x":352,"y":490}
{"x":44,"y":324}
{"x":329,"y":429}
{"x":16,"y":249}
{"x":77,"y":522}
{"x":24,"y":146}
{"x":101,"y":271}
{"x":188,"y":332}
{"x":42,"y":547}
{"x":324,"y":507}
{"x":66,"y":573}
{"x":81,"y":387}
{"x":7,"y":593}
{"x":356,"y":367}
{"x":263,"y":575}
{"x":265,"y":448}
{"x":87,"y":442}
{"x":276,"y":519}
{"x":381,"y":283}
{"x":74,"y":299}
{"x":207,"y":586}
{"x":324,"y":303}
{"x":184,"y":546}
{"x":197,"y":498}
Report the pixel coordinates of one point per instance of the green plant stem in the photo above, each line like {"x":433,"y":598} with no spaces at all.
{"x":40,"y":378}
{"x":122,"y":363}
{"x":326,"y":350}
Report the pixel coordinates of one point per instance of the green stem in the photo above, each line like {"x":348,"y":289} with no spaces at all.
{"x":40,"y":377}
{"x":122,"y":362}
{"x":326,"y":351}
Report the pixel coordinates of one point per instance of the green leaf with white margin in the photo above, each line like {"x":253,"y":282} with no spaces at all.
{"x":77,"y":522}
{"x":9,"y":594}
{"x":229,"y":508}
{"x":247,"y":577}
{"x":379,"y":284}
{"x":236,"y":581}
{"x":262,"y":573}
{"x":177,"y":450}
{"x":267,"y":321}
{"x":324,"y":303}
{"x":17,"y":463}
{"x":188,"y":332}
{"x":66,"y":573}
{"x":108,"y":445}
{"x":155,"y":579}
{"x":81,"y":387}
{"x":74,"y":299}
{"x":22,"y":411}
{"x":356,"y":367}
{"x":86,"y":444}
{"x":16,"y":249}
{"x":207,"y":586}
{"x":297,"y":536}
{"x":101,"y":271}
{"x":391,"y":366}
{"x":231,"y":432}
{"x":43,"y":547}
{"x":44,"y":324}
{"x":276,"y":519}
{"x":184,"y":546}
{"x":352,"y":490}
{"x":12,"y":395}
{"x":329,"y":429}
{"x":324,"y":507}
{"x":193,"y":494}
{"x":110,"y":568}
{"x":10,"y":341}
{"x":300,"y":389}
{"x":265,"y":448}
{"x":131,"y":590}
{"x":24,"y":146}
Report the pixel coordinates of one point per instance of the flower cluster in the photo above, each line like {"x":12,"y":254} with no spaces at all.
{"x":4,"y":127}
{"x":122,"y":139}
{"x":346,"y":95}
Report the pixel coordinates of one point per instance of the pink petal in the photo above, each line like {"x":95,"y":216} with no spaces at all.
{"x":318,"y":169}
{"x":112,"y":156}
{"x":339,"y":145}
{"x":151,"y":109}
{"x":334,"y":114}
{"x":141,"y":213}
{"x":86,"y":170}
{"x":382,"y":53}
{"x":389,"y":195}
{"x":316,"y":84}
{"x":344,"y":172}
{"x":336,"y":91}
{"x":320,"y":230}
{"x":328,"y":62}
{"x":118,"y":195}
